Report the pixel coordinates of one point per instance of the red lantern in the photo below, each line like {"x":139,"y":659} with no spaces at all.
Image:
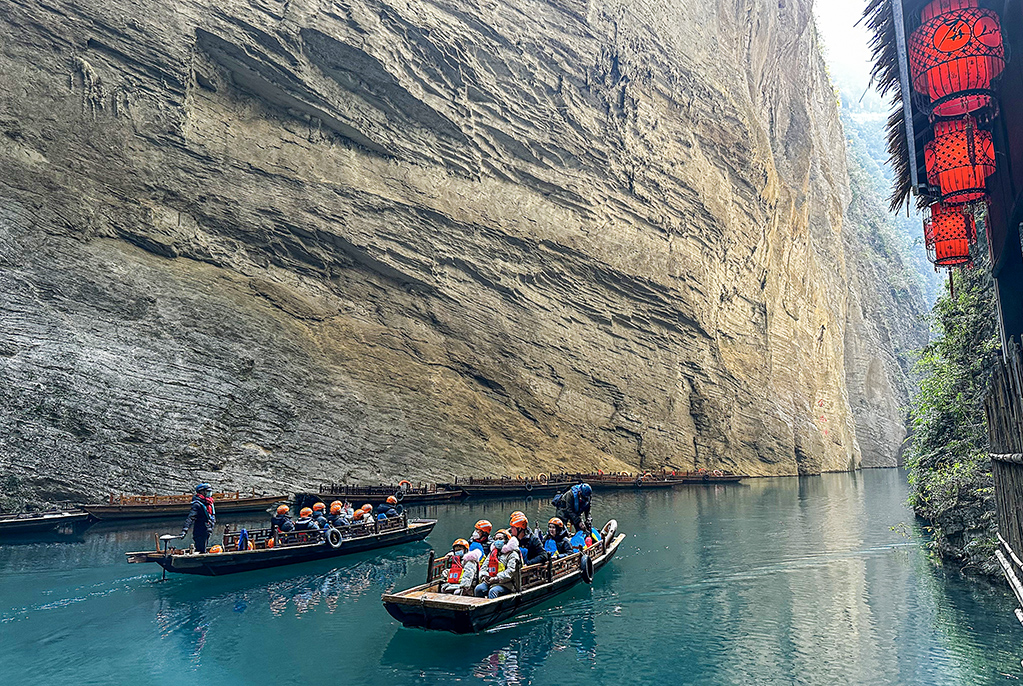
{"x":959,"y":160}
{"x":948,"y":233}
{"x":955,"y":55}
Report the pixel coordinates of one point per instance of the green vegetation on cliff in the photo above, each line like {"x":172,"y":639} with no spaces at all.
{"x":948,"y":458}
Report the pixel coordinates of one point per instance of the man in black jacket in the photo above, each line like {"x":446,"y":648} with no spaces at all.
{"x":202,"y":517}
{"x":387,"y":508}
{"x":530,"y":544}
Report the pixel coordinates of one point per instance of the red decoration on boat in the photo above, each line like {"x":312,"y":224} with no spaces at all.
{"x":959,"y":160}
{"x":955,"y":55}
{"x":948,"y":233}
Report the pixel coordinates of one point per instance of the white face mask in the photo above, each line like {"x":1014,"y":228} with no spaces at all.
{"x":499,"y":542}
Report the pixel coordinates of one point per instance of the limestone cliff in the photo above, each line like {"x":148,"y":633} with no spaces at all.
{"x":270,"y":242}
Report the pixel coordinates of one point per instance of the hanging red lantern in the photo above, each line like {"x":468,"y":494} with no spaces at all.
{"x":959,"y":160}
{"x":955,"y":55}
{"x":949,"y":233}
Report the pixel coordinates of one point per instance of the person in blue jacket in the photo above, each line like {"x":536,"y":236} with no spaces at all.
{"x":387,"y":509}
{"x":582,"y":540}
{"x":202,"y":517}
{"x":574,"y":506}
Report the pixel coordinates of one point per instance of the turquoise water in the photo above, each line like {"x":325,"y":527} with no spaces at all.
{"x":781,"y":581}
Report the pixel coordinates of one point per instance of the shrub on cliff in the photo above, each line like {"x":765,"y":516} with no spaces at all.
{"x":948,"y":457}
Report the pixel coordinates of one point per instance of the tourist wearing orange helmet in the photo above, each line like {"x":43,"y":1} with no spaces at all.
{"x":320,"y":515}
{"x":282,"y":520}
{"x":462,"y":568}
{"x":557,"y":541}
{"x":481,"y":537}
{"x":305,"y":521}
{"x":497,"y":575}
{"x":387,"y":509}
{"x":530,"y":544}
{"x":339,"y":515}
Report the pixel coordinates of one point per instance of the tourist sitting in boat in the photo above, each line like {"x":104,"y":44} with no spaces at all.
{"x":305,"y":521}
{"x":320,"y":515}
{"x":364,"y":514}
{"x":557,"y":541}
{"x":282,"y":521}
{"x":202,"y":517}
{"x":338,"y":516}
{"x":574,"y":506}
{"x":481,"y":537}
{"x":582,"y":541}
{"x":465,"y":564}
{"x":498,"y":576}
{"x":386,"y":509}
{"x":530,"y":545}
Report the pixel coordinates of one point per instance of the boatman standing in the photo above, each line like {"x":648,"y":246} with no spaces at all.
{"x":202,"y":516}
{"x":574,"y":506}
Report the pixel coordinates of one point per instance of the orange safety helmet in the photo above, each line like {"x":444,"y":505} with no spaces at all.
{"x":367,"y":507}
{"x":518,"y":513}
{"x":270,"y":542}
{"x":306,"y":512}
{"x":484,"y":526}
{"x":283,"y":510}
{"x":556,"y":521}
{"x":391,"y":500}
{"x":503,"y":532}
{"x":519,"y":521}
{"x":335,"y":507}
{"x":319,"y":506}
{"x":216,"y":549}
{"x":460,"y":542}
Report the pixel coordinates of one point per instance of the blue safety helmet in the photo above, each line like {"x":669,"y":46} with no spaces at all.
{"x":585,"y":490}
{"x":203,"y":487}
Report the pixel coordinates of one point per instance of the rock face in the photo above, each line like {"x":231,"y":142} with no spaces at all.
{"x":275,"y":242}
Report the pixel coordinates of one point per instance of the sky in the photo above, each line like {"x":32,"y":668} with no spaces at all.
{"x":846,"y":48}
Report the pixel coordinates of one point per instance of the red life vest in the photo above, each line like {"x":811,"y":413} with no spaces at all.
{"x":494,"y":563}
{"x":455,"y":571}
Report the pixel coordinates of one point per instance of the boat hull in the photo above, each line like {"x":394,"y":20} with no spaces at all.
{"x":220,"y":564}
{"x":69,"y":523}
{"x":357,"y":497}
{"x":108,"y":513}
{"x":711,"y":479}
{"x":473,"y":615}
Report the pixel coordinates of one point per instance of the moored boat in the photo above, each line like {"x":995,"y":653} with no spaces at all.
{"x":61,"y":522}
{"x":153,"y":506}
{"x":508,"y":486}
{"x":404,"y":491}
{"x":273,"y":549}
{"x":425,"y":607}
{"x":712,"y":477}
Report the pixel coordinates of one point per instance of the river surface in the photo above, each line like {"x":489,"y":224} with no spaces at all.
{"x":819,"y":580}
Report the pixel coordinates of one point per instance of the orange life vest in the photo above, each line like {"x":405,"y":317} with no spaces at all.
{"x":494,"y":564}
{"x":455,"y":571}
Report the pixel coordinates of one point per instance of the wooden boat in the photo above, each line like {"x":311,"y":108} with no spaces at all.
{"x":624,"y":480}
{"x":287,"y":548}
{"x":152,"y":506}
{"x":712,"y":477}
{"x":63,"y":522}
{"x":425,"y":607}
{"x":508,"y":487}
{"x":405,"y":492}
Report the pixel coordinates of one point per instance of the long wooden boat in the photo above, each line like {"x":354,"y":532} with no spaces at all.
{"x":625,"y":480}
{"x":63,"y":522}
{"x":508,"y":487}
{"x":712,"y":478}
{"x":405,"y":492}
{"x":425,"y":607}
{"x":153,"y":506}
{"x":286,"y":549}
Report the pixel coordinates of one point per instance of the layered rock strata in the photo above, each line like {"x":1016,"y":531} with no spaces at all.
{"x":274,"y":242}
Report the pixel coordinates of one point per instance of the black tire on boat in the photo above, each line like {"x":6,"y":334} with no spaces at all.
{"x":529,"y":486}
{"x":586,"y":567}
{"x":400,"y":509}
{"x":399,"y":495}
{"x":334,"y":538}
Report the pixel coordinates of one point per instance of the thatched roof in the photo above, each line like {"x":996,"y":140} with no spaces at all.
{"x":880,"y":21}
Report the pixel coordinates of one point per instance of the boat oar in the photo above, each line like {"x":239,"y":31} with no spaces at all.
{"x":167,"y":538}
